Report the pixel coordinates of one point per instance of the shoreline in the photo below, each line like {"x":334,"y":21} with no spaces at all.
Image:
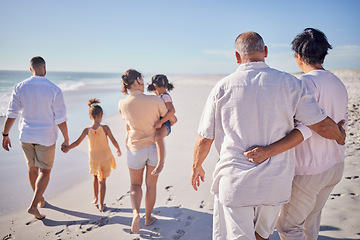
{"x":182,"y":213}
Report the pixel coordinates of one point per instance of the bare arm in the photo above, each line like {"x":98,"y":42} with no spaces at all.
{"x":6,"y":143}
{"x":201,"y":150}
{"x":64,"y":130}
{"x":259,"y":153}
{"x":112,"y":139}
{"x":169,"y":116}
{"x":78,"y":141}
{"x":327,"y":128}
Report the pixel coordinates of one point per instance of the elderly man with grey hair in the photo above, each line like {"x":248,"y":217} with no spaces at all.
{"x":256,"y":105}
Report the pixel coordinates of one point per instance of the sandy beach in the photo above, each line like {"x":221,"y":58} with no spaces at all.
{"x":182,"y":213}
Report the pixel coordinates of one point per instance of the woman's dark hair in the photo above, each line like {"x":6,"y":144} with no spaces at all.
{"x":128,"y":78}
{"x":160,"y":80}
{"x":312,"y":46}
{"x":94,"y":108}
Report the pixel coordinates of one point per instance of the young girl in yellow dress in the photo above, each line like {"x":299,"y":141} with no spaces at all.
{"x":101,"y":159}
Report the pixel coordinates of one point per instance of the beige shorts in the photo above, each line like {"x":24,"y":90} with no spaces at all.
{"x":241,"y":223}
{"x":38,"y":155}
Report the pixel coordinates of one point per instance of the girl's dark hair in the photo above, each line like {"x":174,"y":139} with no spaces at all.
{"x":94,"y":108}
{"x":161,"y":81}
{"x":128,"y":78}
{"x":312,"y":46}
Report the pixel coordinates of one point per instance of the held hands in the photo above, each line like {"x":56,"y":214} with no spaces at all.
{"x":257,"y":154}
{"x":65,"y":147}
{"x":341,"y":141}
{"x":197,"y":174}
{"x":118,"y":152}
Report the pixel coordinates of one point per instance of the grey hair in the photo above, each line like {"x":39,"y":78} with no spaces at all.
{"x":251,"y":43}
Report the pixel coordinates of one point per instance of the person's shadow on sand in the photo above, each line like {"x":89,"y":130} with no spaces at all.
{"x":172,"y":223}
{"x":88,"y":222}
{"x":177,"y":222}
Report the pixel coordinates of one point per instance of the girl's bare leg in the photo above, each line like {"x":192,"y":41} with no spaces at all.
{"x":173,"y":120}
{"x":102,"y":190}
{"x":96,"y":189}
{"x":150,"y":196}
{"x":159,"y":141}
{"x":136,"y":178}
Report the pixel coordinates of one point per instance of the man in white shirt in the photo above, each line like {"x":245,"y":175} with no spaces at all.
{"x":42,"y":111}
{"x":319,"y":161}
{"x":254,"y":105}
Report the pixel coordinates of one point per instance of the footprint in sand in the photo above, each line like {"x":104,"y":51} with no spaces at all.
{"x":333,"y":195}
{"x":168,"y":188}
{"x":62,"y":230}
{"x":202,"y":204}
{"x":352,"y":177}
{"x":7,"y":237}
{"x":32,"y":221}
{"x":170,"y":198}
{"x":189,"y":220}
{"x":179,"y":234}
{"x":123,"y":196}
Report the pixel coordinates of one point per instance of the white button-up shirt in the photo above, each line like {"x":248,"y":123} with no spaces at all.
{"x":256,"y":105}
{"x":317,"y":154}
{"x":41,"y":107}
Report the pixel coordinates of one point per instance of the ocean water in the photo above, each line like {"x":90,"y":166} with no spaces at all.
{"x":71,"y":83}
{"x":77,"y":88}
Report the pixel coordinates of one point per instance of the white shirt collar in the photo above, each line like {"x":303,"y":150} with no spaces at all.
{"x":252,"y":65}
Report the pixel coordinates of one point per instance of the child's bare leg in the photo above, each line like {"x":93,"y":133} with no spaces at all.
{"x":96,"y":189}
{"x":159,"y":141}
{"x":173,"y":120}
{"x":40,"y":186}
{"x":102,"y":190}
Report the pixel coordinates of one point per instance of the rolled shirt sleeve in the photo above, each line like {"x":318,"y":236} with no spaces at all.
{"x":15,"y":105}
{"x":308,"y":110}
{"x":304,"y":130}
{"x":207,"y":121}
{"x":59,"y":108}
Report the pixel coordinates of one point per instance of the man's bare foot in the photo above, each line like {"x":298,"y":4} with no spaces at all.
{"x":157,"y":170}
{"x":135,"y":225}
{"x":41,"y":204}
{"x":94,"y":201}
{"x":150,"y":221}
{"x":34,"y":211}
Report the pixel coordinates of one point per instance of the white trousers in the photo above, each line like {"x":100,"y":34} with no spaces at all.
{"x":300,"y":218}
{"x":241,"y":223}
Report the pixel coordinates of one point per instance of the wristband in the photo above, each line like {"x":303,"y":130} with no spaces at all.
{"x":5,"y":135}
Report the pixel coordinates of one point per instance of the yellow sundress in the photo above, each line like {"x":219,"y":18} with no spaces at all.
{"x":101,"y":160}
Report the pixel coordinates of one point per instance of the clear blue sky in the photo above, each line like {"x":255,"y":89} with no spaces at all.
{"x":171,"y":37}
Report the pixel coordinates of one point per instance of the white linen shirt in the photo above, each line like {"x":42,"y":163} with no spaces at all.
{"x":317,"y":154}
{"x":41,"y":107}
{"x":256,"y":105}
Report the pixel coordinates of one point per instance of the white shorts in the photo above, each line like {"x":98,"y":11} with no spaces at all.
{"x":146,"y":156}
{"x":242,"y":222}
